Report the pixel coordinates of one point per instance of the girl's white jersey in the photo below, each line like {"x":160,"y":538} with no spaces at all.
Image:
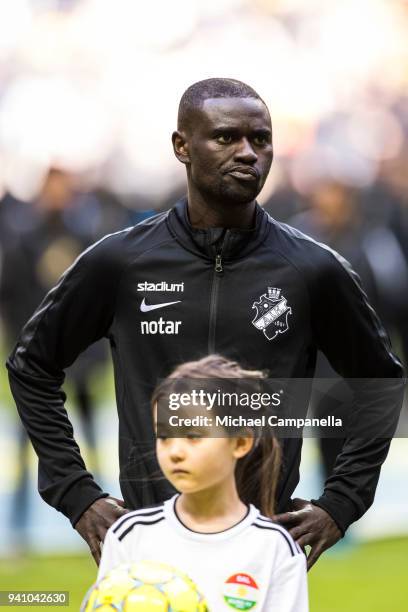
{"x":253,"y":565}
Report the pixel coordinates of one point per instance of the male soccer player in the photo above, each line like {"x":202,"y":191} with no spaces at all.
{"x":214,"y":274}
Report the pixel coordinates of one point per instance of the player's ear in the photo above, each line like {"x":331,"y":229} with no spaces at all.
{"x":242,"y":446}
{"x":180,"y":147}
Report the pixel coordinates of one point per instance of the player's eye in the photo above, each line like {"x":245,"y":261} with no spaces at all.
{"x":261,"y":141}
{"x":224,"y":138}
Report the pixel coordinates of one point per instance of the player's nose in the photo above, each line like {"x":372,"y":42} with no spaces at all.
{"x":245,"y":152}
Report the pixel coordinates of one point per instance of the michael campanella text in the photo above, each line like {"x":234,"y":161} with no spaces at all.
{"x":262,"y":421}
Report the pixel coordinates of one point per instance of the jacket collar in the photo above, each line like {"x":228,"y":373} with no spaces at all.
{"x":231,"y":243}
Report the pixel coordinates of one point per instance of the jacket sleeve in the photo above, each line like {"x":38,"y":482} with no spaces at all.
{"x":74,"y":314}
{"x":349,"y":333}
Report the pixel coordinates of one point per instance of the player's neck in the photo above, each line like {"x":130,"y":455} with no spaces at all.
{"x":205,"y":212}
{"x":213,"y":509}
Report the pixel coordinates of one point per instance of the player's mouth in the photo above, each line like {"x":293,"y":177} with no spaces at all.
{"x":244,"y":173}
{"x":178,"y":472}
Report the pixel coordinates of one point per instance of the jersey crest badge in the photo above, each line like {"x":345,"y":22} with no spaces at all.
{"x":272,"y":312}
{"x":241,"y":592}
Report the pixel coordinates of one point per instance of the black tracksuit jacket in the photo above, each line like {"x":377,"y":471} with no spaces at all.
{"x":215,"y":277}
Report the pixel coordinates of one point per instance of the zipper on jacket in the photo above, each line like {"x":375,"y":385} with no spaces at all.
{"x":218,"y":263}
{"x":217,"y":275}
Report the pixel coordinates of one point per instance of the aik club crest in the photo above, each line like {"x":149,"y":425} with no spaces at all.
{"x":272,"y":313}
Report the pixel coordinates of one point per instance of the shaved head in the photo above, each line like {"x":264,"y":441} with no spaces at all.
{"x":194,"y":97}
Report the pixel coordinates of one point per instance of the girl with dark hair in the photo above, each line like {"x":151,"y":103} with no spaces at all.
{"x":234,"y":552}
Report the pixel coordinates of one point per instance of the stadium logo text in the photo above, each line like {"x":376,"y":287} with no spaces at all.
{"x":161,"y":286}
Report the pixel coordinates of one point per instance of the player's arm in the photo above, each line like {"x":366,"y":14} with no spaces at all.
{"x":349,"y":333}
{"x":76,"y":313}
{"x":351,"y":336}
{"x":287,"y":591}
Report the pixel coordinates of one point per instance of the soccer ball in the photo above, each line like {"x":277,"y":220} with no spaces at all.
{"x":147,"y":586}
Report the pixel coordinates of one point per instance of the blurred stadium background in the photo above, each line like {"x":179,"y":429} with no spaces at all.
{"x":88,"y":100}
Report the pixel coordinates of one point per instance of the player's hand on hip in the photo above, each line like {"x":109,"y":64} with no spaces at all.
{"x":310,"y":525}
{"x":96,"y":520}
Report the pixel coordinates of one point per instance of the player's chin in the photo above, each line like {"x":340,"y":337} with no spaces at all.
{"x":241,"y":193}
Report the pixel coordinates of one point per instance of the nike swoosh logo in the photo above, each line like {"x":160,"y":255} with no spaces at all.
{"x":146,"y":308}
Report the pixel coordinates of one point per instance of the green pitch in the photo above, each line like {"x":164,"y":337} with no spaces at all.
{"x":368,"y":578}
